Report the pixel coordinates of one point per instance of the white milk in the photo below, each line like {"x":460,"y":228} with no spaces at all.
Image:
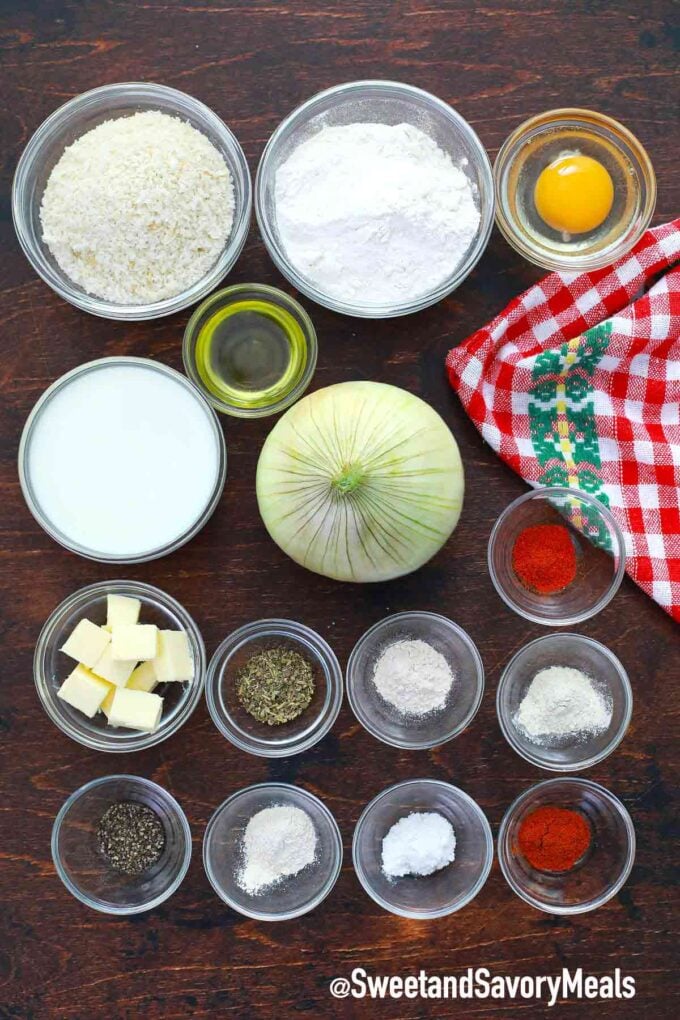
{"x":122,"y":460}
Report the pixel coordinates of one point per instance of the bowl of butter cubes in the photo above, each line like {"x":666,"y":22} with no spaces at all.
{"x":119,"y":666}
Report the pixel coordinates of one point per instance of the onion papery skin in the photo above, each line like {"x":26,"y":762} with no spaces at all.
{"x":360,"y":482}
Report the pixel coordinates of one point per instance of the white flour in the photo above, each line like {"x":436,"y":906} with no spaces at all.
{"x":419,"y":844}
{"x":562,"y":701}
{"x":279,"y":841}
{"x":374,"y":213}
{"x":413,"y":677}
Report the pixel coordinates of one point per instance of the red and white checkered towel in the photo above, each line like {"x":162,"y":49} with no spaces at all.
{"x":577,"y":383}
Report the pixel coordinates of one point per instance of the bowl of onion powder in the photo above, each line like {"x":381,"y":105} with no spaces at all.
{"x":132,"y":201}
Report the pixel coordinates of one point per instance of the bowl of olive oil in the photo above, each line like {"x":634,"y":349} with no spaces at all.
{"x":251,"y":350}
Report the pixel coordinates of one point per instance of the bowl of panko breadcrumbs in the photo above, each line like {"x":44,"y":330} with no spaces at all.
{"x":132,"y":201}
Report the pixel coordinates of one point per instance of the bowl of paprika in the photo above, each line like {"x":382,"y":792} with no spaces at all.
{"x":566,"y":846}
{"x":556,"y":556}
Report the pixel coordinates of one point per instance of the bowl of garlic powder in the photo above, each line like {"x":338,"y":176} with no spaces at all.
{"x":564,"y":702}
{"x":132,"y":201}
{"x":375,"y":198}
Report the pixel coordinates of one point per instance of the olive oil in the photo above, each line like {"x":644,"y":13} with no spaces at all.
{"x":250,"y":352}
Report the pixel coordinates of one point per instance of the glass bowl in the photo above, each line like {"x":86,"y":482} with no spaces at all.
{"x":51,"y":667}
{"x":74,"y":119}
{"x":28,"y":483}
{"x":598,"y":543}
{"x":239,"y":726}
{"x":382,"y":719}
{"x":384,"y":102}
{"x":298,"y":374}
{"x":445,"y":891}
{"x":573,"y":752}
{"x":296,"y":894}
{"x":602,"y":871}
{"x":542,"y":139}
{"x":83,"y":869}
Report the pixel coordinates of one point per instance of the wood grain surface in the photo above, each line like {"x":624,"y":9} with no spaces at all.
{"x":497,"y":62}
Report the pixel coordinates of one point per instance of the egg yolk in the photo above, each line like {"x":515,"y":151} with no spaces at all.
{"x":574,"y":194}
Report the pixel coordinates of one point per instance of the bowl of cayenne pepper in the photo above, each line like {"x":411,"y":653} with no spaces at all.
{"x":556,"y":556}
{"x":566,"y":846}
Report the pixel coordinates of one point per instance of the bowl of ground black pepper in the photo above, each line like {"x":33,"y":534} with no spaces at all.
{"x":274,"y":688}
{"x":121,"y":844}
{"x":556,"y":556}
{"x":566,"y":846}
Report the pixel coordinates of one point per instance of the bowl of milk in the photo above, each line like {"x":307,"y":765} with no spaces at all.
{"x":122,"y":460}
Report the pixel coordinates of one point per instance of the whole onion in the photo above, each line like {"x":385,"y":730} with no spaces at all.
{"x":360,"y":482}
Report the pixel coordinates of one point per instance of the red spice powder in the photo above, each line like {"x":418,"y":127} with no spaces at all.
{"x":554,"y":838}
{"x":544,"y":558}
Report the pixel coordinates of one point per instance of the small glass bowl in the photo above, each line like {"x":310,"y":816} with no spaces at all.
{"x":427,"y":896}
{"x":288,"y":390}
{"x":28,"y":487}
{"x":83,"y":869}
{"x":294,"y":895}
{"x":239,"y":726}
{"x":576,"y":751}
{"x":382,"y":719}
{"x":51,"y":666}
{"x":603,"y":869}
{"x":538,"y":142}
{"x":82,"y":114}
{"x":384,"y":102}
{"x":597,"y":540}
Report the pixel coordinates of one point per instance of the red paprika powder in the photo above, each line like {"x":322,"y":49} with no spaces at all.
{"x":544,"y":558}
{"x":554,"y":838}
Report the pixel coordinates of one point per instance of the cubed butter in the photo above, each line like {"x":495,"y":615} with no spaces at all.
{"x":137,"y":641}
{"x":143,"y":678}
{"x":83,"y":690}
{"x":122,"y":611}
{"x":105,"y":706}
{"x":116,"y":671}
{"x":138,"y":710}
{"x":87,"y":643}
{"x":173,"y":662}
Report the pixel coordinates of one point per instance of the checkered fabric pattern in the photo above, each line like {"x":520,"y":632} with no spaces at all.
{"x":577,"y":382}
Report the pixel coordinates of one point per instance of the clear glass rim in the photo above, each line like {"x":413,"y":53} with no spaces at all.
{"x":355,"y":703}
{"x":316,"y":730}
{"x":300,"y":386}
{"x":544,"y":492}
{"x":97,"y":306}
{"x":173,"y":807}
{"x":475,"y":889}
{"x":573,"y":263}
{"x":536,"y":758}
{"x":581,"y":908}
{"x":142,"y":740}
{"x":337,"y":852}
{"x":301,"y":283}
{"x":64,"y":380}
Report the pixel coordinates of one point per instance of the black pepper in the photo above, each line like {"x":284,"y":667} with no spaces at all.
{"x":131,"y":837}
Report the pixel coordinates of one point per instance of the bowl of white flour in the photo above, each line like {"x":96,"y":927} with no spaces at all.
{"x":375,"y":198}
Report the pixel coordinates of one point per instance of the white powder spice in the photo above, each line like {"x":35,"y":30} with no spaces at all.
{"x":413,"y":677}
{"x":374,"y":213}
{"x":279,"y":841}
{"x":419,"y":844}
{"x":139,"y":208}
{"x":562,"y":701}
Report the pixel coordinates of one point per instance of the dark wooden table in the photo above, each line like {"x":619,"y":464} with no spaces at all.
{"x":253,"y":62}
